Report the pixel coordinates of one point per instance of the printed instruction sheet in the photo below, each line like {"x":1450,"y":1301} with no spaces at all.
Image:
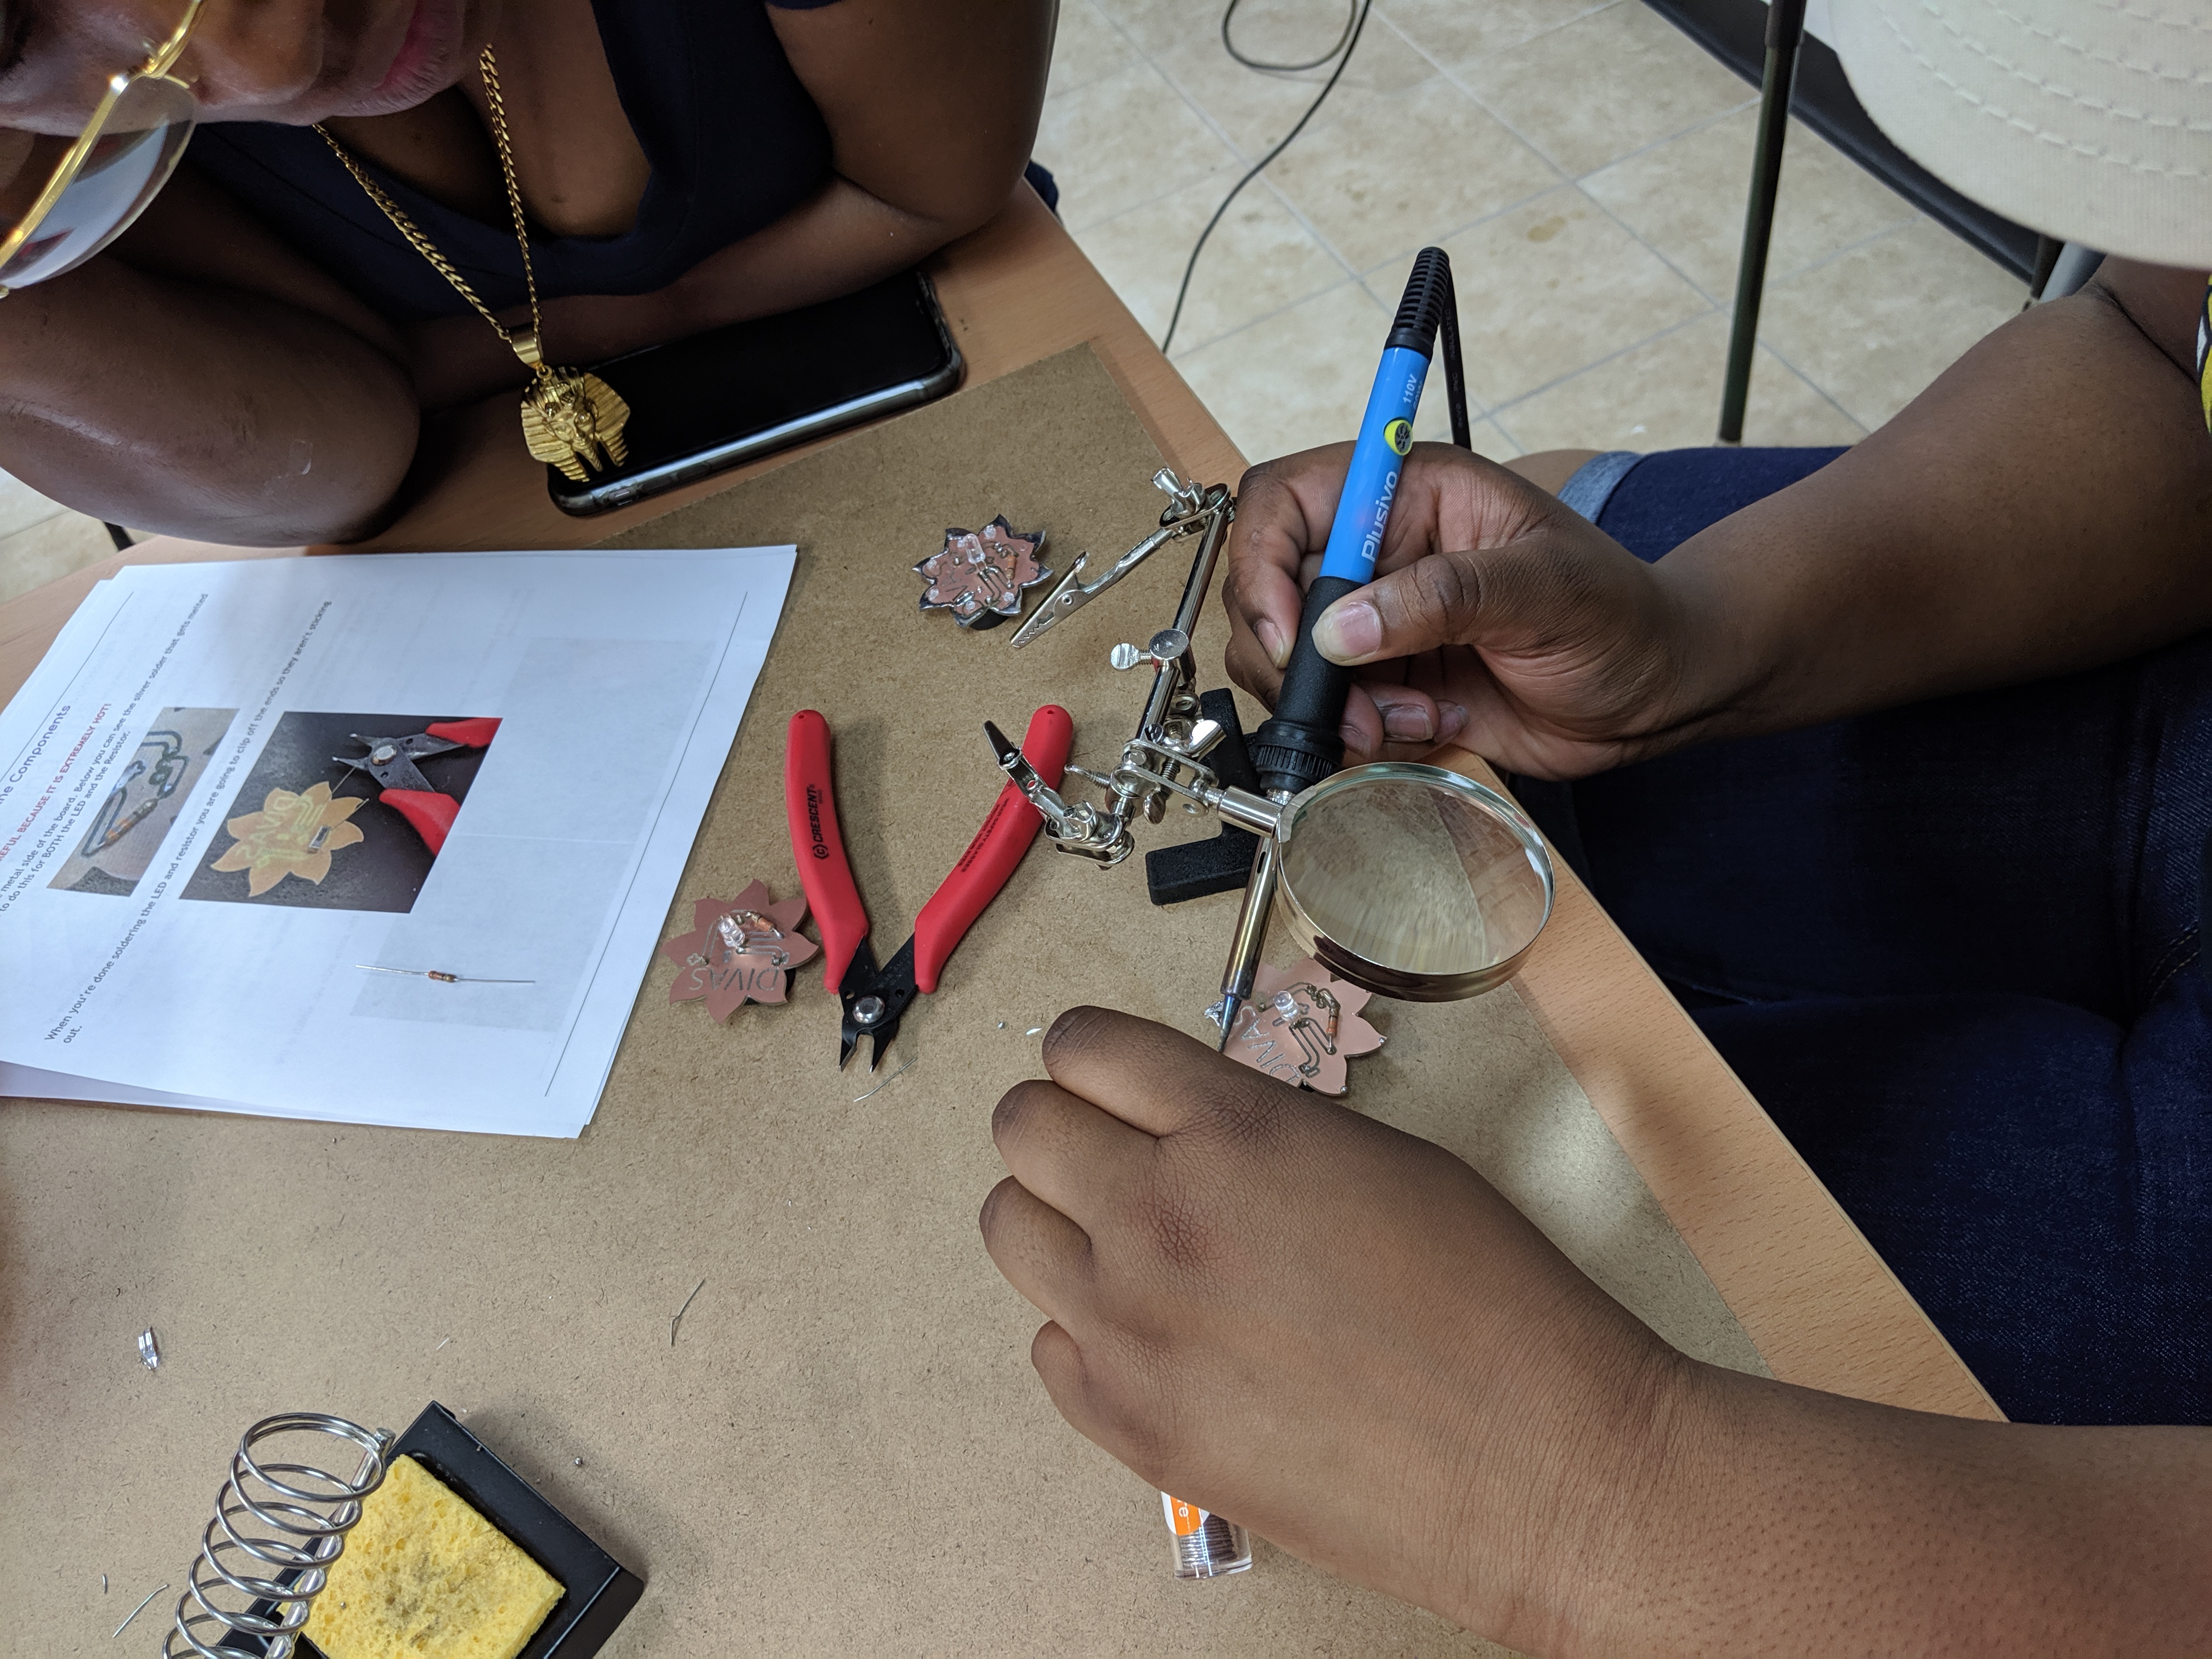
{"x":377,"y":839}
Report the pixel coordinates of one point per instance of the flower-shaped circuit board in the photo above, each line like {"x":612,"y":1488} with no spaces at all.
{"x":980,"y":575}
{"x":1300,"y":1026}
{"x":739,"y":951}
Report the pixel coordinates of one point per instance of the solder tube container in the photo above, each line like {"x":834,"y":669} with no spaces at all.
{"x":1207,"y":1546}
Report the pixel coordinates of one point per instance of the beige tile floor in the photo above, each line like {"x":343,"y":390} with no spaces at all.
{"x":1585,"y":165}
{"x":41,"y":540}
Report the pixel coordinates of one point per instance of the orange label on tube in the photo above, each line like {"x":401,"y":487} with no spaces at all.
{"x":1183,"y":1519}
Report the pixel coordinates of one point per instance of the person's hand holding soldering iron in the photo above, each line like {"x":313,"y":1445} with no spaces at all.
{"x":2037,"y":511}
{"x":1499,"y":619}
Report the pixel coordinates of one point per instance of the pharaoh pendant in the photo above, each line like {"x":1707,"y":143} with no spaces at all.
{"x":571,"y":418}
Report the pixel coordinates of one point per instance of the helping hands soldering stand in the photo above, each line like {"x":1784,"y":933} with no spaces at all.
{"x":1173,"y":738}
{"x":1302,"y":744}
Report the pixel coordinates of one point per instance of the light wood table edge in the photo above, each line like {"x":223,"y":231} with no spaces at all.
{"x":1814,"y":1297}
{"x":1820,"y":1304}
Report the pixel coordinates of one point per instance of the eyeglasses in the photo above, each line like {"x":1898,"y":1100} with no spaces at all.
{"x":64,"y":200}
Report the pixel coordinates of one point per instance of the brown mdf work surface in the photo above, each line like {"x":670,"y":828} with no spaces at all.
{"x":844,"y":1450}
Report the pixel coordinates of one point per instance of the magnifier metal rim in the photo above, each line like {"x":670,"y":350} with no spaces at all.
{"x":1404,"y":984}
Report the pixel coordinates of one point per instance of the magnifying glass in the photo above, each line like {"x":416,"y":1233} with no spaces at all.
{"x":1413,"y":882}
{"x":1407,"y":880}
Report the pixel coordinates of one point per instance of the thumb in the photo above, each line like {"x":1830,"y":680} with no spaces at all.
{"x":1448,"y":598}
{"x":1425,"y":605}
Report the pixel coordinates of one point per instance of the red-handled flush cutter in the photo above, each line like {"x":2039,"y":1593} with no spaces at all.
{"x":391,"y":762}
{"x":875,"y":998}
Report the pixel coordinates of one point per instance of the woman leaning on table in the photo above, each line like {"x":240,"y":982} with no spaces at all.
{"x":1898,"y":764}
{"x":251,"y":361}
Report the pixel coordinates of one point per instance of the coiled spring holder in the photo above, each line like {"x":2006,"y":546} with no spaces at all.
{"x":277,"y":1527}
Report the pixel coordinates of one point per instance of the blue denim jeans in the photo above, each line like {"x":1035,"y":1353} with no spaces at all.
{"x":1955,"y":951}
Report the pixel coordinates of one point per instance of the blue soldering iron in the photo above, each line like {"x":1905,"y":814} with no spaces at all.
{"x":1302,"y":745}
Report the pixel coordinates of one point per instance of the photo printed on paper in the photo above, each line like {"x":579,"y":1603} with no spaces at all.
{"x":128,"y":828}
{"x":309,"y":831}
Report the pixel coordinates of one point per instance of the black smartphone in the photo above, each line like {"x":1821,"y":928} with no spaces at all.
{"x":700,"y":405}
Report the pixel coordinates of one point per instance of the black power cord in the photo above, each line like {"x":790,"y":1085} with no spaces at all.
{"x":1351,"y":19}
{"x":1347,"y":43}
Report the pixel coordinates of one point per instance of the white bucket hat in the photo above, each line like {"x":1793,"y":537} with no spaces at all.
{"x":2087,"y":120}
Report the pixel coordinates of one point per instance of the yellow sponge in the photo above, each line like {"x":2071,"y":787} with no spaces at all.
{"x":425,"y":1576}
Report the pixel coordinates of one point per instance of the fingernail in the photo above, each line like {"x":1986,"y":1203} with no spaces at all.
{"x":1408,"y":722}
{"x":1271,"y":641}
{"x":1351,"y":630}
{"x":1450,"y":718}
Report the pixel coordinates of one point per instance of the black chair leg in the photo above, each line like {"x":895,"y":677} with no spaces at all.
{"x":1785,"y":31}
{"x":2047,"y":250}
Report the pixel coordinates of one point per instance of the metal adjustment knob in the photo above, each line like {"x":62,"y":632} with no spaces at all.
{"x":1183,"y":498}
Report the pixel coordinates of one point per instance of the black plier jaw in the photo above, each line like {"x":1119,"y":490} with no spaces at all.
{"x":874,"y":1001}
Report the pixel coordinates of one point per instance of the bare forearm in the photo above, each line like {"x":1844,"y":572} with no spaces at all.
{"x":1794,"y":1521}
{"x":904,"y":182}
{"x":839,"y":240}
{"x":2045,"y":507}
{"x":192,"y":409}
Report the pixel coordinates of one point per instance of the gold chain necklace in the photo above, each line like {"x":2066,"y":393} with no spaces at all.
{"x":571,"y":418}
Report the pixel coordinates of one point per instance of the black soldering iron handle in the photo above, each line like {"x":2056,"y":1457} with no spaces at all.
{"x":1303,"y":743}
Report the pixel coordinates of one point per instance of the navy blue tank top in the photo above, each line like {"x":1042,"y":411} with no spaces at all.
{"x":734,"y":140}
